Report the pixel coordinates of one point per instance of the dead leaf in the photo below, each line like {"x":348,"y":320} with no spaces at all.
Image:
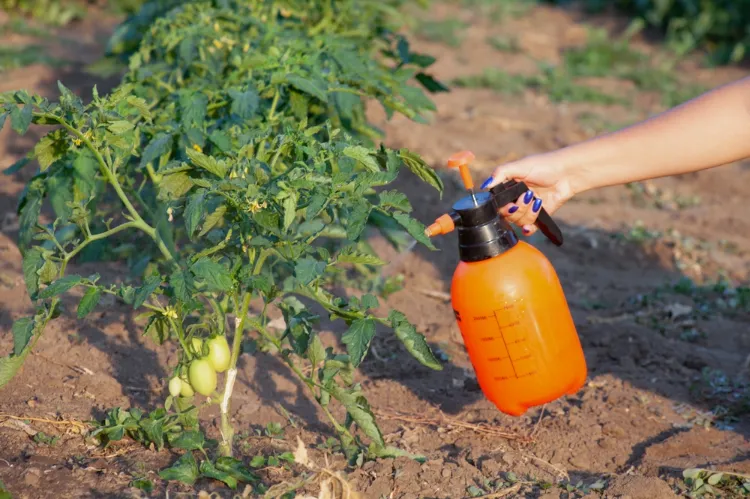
{"x":300,"y":454}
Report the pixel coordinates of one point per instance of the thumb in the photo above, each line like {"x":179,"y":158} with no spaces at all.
{"x":515,"y":170}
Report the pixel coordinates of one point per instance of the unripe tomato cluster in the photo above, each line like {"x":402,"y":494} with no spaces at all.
{"x":202,"y":370}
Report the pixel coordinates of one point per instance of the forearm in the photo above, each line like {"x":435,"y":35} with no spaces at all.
{"x":709,"y":131}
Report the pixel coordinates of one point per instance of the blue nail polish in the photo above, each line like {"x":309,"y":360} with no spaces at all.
{"x":513,"y":209}
{"x":528,"y":197}
{"x":486,"y":183}
{"x":537,"y":205}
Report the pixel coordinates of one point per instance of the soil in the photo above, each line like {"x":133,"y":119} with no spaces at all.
{"x":635,"y":425}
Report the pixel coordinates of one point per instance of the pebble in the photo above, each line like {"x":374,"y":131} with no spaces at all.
{"x":32,"y":477}
{"x":446,"y":473}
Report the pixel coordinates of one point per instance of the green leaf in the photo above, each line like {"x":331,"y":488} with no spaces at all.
{"x":208,"y":163}
{"x":194,"y":212}
{"x":60,"y":286}
{"x":143,"y":292}
{"x":350,"y":254}
{"x":32,"y":262}
{"x":189,"y":440}
{"x":357,"y":219}
{"x":416,"y":98}
{"x":209,"y":470}
{"x":143,"y":484}
{"x":415,"y":343}
{"x":359,"y":410}
{"x":48,"y":272}
{"x":715,"y":478}
{"x":178,"y":280}
{"x":692,"y":473}
{"x":30,"y":207}
{"x":175,"y":185}
{"x":316,"y":352}
{"x":414,"y":228}
{"x":89,"y":301}
{"x":244,"y":104}
{"x":430,"y":83}
{"x":21,"y":118}
{"x":290,"y":210}
{"x":120,"y":127}
{"x":358,"y":338}
{"x":184,"y":470}
{"x":421,"y":169}
{"x":394,"y":452}
{"x":236,"y":469}
{"x":257,"y":461}
{"x":154,"y":430}
{"x":23,"y":330}
{"x":213,"y":274}
{"x":308,"y":269}
{"x":316,"y":88}
{"x":362,"y":154}
{"x":194,"y":107}
{"x":15,"y":167}
{"x":159,"y":146}
{"x":213,"y":219}
{"x":396,"y":200}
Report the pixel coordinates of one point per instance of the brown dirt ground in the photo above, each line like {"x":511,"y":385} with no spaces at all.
{"x":635,"y":424}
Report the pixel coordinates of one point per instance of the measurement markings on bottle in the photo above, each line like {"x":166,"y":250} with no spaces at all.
{"x":514,"y":341}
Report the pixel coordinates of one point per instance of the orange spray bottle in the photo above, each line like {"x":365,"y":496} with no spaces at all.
{"x":509,"y":303}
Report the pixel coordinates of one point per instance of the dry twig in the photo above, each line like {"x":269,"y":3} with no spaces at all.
{"x":69,"y":422}
{"x":443,"y":421}
{"x":502,"y":493}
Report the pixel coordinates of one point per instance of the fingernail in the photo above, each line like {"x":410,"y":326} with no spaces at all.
{"x":486,"y":183}
{"x":513,"y":209}
{"x":525,"y":229}
{"x":537,"y":205}
{"x":528,"y":197}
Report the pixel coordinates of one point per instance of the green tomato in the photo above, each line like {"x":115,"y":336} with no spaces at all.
{"x":218,"y":353}
{"x":202,"y":377}
{"x":197,"y":346}
{"x":185,"y":389}
{"x":175,"y":386}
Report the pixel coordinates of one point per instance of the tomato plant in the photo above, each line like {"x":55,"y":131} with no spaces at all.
{"x":233,"y":162}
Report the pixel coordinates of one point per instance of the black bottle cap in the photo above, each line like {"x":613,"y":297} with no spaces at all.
{"x":482,"y":233}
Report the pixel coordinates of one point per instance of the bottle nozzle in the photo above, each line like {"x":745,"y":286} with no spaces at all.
{"x":442,"y":225}
{"x":461,"y":161}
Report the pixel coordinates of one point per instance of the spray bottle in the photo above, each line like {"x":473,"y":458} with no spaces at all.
{"x":509,"y":303}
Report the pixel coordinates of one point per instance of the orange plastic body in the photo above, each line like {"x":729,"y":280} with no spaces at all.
{"x":518,"y":329}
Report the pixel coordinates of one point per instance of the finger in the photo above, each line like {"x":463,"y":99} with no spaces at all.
{"x":516,"y":211}
{"x":503,"y":173}
{"x":530,"y":215}
{"x":528,"y":229}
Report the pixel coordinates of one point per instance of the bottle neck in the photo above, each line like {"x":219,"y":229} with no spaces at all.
{"x":485,"y":241}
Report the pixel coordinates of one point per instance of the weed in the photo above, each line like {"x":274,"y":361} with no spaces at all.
{"x":447,"y":31}
{"x":553,"y":82}
{"x":494,"y":79}
{"x":503,"y":43}
{"x":19,"y":57}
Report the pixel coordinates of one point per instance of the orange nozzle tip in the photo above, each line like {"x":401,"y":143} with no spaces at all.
{"x":442,"y":225}
{"x":460,"y":159}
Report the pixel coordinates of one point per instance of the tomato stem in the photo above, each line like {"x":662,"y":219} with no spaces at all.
{"x":227,"y":431}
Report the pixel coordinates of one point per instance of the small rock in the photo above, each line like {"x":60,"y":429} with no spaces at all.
{"x":32,"y":402}
{"x":606,"y":443}
{"x":446,"y":473}
{"x":32,"y":477}
{"x":509,"y":459}
{"x":579,"y":462}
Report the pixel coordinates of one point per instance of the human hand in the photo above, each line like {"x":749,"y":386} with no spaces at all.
{"x":548,"y":185}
